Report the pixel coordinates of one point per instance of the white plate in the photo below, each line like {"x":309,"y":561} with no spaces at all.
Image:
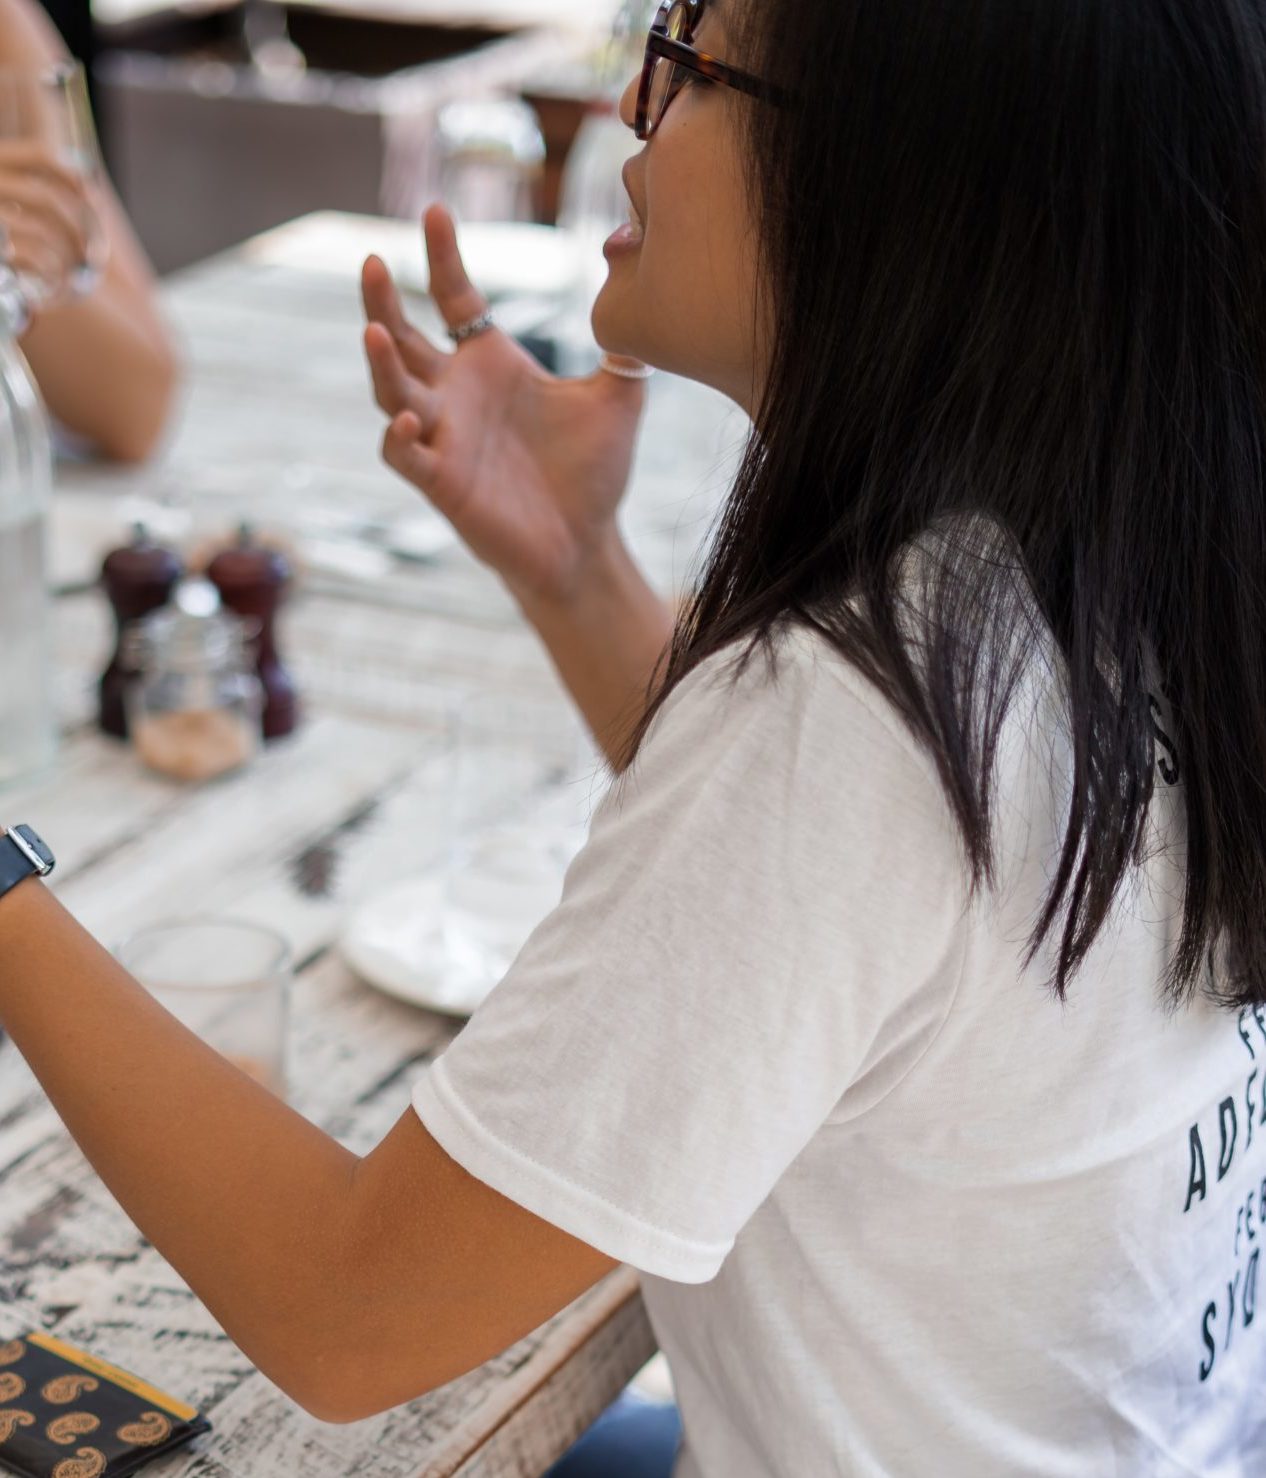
{"x":444,"y":942}
{"x":503,"y":259}
{"x":396,"y":942}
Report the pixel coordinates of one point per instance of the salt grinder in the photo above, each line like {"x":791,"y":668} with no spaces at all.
{"x":138,"y":578}
{"x":253,"y":582}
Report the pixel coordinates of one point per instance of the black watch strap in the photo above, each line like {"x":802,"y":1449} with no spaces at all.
{"x":23,"y":854}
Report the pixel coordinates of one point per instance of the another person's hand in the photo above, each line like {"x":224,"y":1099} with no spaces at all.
{"x":528,"y":468}
{"x":46,"y":220}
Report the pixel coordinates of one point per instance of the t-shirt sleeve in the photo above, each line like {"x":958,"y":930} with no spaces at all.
{"x":760,"y":935}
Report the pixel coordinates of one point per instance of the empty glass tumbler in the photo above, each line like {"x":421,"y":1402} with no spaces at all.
{"x":228,"y":981}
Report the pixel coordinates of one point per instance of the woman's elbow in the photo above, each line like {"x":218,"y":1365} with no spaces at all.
{"x":336,"y":1410}
{"x":342,"y":1390}
{"x":341,"y":1365}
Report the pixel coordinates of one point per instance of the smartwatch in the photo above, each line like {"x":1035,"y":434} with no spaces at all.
{"x":23,"y":854}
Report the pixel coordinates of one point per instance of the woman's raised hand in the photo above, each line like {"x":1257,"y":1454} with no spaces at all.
{"x":528,"y":468}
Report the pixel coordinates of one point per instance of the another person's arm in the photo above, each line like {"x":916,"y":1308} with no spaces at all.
{"x":104,"y":363}
{"x":530,"y":470}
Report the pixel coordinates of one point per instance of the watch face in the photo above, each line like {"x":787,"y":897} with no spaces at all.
{"x":37,"y":845}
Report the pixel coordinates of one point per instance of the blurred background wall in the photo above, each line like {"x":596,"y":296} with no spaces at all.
{"x":221,"y":118}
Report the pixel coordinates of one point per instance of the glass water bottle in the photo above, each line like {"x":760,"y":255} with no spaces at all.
{"x":27,"y":717}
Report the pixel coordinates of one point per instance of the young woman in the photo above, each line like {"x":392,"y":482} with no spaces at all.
{"x":905,"y":1010}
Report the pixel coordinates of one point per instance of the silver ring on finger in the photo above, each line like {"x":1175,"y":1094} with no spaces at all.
{"x":473,"y":327}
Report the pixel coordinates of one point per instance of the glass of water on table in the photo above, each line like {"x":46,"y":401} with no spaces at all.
{"x":228,"y":981}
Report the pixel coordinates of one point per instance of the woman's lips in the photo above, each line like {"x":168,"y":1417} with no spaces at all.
{"x":628,"y":237}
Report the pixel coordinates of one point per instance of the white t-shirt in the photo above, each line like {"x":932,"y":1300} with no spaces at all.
{"x":899,"y":1212}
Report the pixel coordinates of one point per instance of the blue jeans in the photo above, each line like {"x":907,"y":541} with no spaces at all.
{"x":635,"y":1438}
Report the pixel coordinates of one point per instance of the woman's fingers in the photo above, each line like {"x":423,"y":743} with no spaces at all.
{"x":382,"y":301}
{"x":41,"y":261}
{"x":458,"y":300}
{"x":41,"y":256}
{"x":395,"y":389}
{"x":405,"y":453}
{"x":40,"y":205}
{"x":382,"y":305}
{"x":29,"y":157}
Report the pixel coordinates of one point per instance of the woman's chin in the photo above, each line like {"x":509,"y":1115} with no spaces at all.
{"x":615,"y":327}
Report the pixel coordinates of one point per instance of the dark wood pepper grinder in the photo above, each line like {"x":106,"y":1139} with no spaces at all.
{"x":138,"y":579}
{"x":253,"y":582}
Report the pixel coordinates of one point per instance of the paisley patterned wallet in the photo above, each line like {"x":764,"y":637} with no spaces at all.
{"x":65,"y":1414}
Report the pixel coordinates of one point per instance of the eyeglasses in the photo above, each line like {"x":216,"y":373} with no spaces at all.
{"x":671,"y":62}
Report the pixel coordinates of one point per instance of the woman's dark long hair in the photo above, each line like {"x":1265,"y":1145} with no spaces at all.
{"x":1016,"y":259}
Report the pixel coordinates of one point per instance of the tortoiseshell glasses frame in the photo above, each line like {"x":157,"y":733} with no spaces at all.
{"x":670,"y":57}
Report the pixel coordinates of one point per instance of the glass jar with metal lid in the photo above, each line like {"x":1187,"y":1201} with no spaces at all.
{"x":195,"y":712}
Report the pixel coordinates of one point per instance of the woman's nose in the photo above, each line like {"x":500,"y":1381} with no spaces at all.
{"x":628,"y":104}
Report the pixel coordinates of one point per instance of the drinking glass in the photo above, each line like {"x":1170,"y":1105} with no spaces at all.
{"x":491,"y":156}
{"x":227,"y":980}
{"x":50,"y":107}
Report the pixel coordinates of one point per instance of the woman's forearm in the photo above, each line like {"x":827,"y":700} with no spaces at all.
{"x":607,"y":639}
{"x":242,"y":1195}
{"x":106,"y":370}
